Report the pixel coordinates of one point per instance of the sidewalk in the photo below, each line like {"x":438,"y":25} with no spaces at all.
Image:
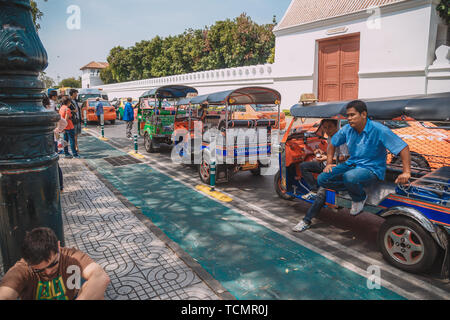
{"x":140,"y":260}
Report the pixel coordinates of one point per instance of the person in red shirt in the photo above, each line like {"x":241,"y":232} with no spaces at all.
{"x":69,"y":131}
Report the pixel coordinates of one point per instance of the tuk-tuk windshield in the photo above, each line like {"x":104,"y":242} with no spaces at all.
{"x":300,"y":125}
{"x":150,"y":103}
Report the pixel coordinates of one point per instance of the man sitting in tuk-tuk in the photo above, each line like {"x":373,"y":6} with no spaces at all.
{"x":307,"y":168}
{"x":367,"y":142}
{"x":329,"y":126}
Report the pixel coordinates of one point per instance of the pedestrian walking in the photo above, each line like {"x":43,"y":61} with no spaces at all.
{"x":48,"y":271}
{"x":53,"y":96}
{"x":69,"y":131}
{"x":98,"y":109}
{"x":75,"y":108}
{"x":128,"y":117}
{"x":62,"y":123}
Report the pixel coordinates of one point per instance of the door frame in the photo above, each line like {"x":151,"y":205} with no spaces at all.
{"x":319,"y":57}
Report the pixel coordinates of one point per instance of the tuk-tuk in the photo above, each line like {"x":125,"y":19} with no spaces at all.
{"x":417,"y":215}
{"x":156,"y":117}
{"x":188,"y":130}
{"x":231,"y":144}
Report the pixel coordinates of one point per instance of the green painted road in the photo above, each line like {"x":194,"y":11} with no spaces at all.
{"x":248,"y":259}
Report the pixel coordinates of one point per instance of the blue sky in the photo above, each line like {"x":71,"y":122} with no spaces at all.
{"x":108,"y":23}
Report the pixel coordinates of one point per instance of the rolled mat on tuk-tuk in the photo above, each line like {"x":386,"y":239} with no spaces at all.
{"x":417,"y":215}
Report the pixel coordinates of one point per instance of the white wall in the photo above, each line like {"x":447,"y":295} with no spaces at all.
{"x":91,"y":78}
{"x":394,"y":52}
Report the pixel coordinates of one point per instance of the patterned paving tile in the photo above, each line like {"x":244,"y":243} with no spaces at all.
{"x":140,"y":265}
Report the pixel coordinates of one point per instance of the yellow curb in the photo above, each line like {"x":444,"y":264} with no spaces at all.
{"x":103,"y":139}
{"x":137,"y":155}
{"x":215,"y":194}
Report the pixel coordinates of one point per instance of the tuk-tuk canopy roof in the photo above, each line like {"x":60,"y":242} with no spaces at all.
{"x":183,"y":101}
{"x":169,"y":92}
{"x":246,"y":95}
{"x":199,"y":99}
{"x":433,"y":107}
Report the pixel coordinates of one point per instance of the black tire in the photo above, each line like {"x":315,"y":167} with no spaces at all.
{"x":256,"y":172}
{"x":399,"y":236}
{"x":279,"y":189}
{"x":113,"y":122}
{"x":148,"y":144}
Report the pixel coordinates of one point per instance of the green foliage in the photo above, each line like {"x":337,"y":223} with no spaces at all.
{"x":226,"y":44}
{"x":443,"y":9}
{"x":36,"y":14}
{"x":70,"y":83}
{"x":48,"y":81}
{"x":287,"y":113}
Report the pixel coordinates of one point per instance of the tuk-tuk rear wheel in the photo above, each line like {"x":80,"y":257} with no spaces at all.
{"x":279,"y":188}
{"x":406,"y":245}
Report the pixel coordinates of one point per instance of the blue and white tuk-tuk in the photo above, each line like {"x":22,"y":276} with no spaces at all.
{"x":227,"y":142}
{"x":417,"y":215}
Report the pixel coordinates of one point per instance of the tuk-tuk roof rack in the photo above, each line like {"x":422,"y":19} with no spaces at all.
{"x":245,"y":95}
{"x":169,"y":92}
{"x":433,"y":107}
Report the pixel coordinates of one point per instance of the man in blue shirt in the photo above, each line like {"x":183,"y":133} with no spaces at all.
{"x":98,"y":108}
{"x":128,"y":117}
{"x":367,"y":142}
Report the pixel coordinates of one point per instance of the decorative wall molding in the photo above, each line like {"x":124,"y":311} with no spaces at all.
{"x":219,"y":77}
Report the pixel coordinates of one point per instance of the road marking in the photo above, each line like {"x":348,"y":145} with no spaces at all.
{"x":348,"y":265}
{"x":215,"y":194}
{"x":137,"y":155}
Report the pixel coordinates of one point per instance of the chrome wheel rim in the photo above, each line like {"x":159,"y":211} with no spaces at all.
{"x":204,"y":170}
{"x":404,"y":245}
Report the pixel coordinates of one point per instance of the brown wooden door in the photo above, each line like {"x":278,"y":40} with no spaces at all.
{"x":338,"y":69}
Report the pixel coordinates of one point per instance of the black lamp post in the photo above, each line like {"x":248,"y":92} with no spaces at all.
{"x":29,"y":186}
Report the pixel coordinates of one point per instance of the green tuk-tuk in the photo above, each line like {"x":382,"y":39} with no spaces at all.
{"x":156,"y":115}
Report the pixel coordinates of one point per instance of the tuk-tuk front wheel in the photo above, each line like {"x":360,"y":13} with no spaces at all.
{"x":281,"y":191}
{"x":148,"y":144}
{"x":406,"y":245}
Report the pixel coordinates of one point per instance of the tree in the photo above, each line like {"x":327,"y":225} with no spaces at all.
{"x":228,"y":43}
{"x":107,"y":76}
{"x":36,"y":14}
{"x":443,"y":9}
{"x":48,"y":82}
{"x":71,"y":83}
